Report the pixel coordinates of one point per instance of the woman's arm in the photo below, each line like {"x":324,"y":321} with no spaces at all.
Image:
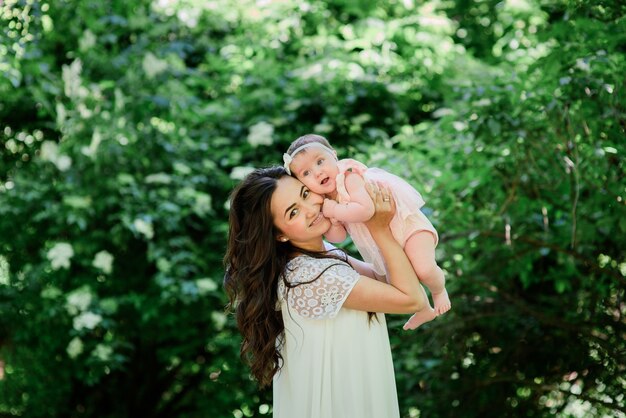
{"x":403,"y":294}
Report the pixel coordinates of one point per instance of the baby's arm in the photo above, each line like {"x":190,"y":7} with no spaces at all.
{"x":354,"y":166}
{"x":365,"y":269}
{"x":360,"y":208}
{"x":336,"y":232}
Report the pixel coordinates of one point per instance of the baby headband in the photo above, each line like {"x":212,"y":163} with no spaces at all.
{"x":288,"y":158}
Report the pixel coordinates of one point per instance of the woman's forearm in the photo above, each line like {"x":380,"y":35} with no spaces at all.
{"x":400,"y":272}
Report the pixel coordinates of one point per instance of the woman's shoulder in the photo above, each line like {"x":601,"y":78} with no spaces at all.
{"x":317,"y":287}
{"x":304,"y":267}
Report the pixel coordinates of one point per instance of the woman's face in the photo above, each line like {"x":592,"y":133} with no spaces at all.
{"x":297,"y":213}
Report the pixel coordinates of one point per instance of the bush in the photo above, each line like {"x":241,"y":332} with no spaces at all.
{"x":126,"y":125}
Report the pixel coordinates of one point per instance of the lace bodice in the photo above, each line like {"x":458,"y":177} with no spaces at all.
{"x":323,"y":297}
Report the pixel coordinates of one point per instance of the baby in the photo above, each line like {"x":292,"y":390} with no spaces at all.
{"x":313,"y":161}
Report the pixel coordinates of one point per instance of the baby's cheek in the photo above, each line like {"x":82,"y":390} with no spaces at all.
{"x":312,"y":185}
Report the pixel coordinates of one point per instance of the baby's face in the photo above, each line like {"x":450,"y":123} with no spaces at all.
{"x":317,"y":169}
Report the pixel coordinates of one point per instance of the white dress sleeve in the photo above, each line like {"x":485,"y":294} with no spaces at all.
{"x":318,"y":287}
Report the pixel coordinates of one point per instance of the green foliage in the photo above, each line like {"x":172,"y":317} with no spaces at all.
{"x":126,"y":124}
{"x":533,"y":187}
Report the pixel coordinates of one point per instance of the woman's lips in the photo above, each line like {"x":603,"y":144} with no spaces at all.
{"x":316,"y":220}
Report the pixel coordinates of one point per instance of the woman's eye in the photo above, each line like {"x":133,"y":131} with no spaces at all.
{"x":305,"y":193}
{"x":293,"y":213}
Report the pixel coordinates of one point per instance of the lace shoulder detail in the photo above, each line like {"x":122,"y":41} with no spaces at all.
{"x":319,"y":287}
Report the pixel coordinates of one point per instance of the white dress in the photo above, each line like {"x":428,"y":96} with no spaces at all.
{"x":336,"y":363}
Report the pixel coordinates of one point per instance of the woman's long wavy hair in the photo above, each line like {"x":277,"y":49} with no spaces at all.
{"x":254,"y":262}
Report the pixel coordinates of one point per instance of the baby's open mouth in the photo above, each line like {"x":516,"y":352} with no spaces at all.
{"x":325,"y":180}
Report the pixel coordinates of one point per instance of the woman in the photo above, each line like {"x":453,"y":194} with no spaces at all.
{"x":302,"y":308}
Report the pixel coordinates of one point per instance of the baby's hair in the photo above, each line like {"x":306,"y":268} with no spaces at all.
{"x":307,"y":139}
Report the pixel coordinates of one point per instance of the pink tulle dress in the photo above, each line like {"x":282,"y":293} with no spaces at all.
{"x":407,"y":220}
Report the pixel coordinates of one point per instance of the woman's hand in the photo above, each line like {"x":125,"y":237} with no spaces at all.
{"x":385,"y":206}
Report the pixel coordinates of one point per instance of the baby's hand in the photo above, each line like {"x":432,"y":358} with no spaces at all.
{"x":354,"y":166}
{"x":328,"y":209}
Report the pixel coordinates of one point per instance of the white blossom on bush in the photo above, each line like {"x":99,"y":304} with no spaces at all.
{"x":239,"y":173}
{"x":103,"y":261}
{"x":72,"y":81}
{"x":50,"y":152}
{"x":206,"y":285}
{"x":202,"y":204}
{"x":219,"y":320}
{"x":91,"y":150}
{"x":153,"y":65}
{"x":144,"y":228}
{"x":261,"y":134}
{"x":4,"y":271}
{"x":78,"y":300}
{"x":161,"y":178}
{"x":87,"y":320}
{"x":75,"y":347}
{"x":87,"y":41}
{"x":60,"y":255}
{"x":102,"y":352}
{"x":63,"y":163}
{"x":189,"y":16}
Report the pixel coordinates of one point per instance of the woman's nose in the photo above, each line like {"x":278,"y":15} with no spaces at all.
{"x":316,"y":199}
{"x":312,"y":206}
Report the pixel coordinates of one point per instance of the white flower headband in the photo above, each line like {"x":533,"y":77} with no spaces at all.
{"x":288,"y":158}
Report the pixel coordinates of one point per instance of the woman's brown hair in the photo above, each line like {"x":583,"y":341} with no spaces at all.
{"x":254,"y":262}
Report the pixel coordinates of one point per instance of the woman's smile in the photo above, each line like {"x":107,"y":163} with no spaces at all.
{"x":318,"y":218}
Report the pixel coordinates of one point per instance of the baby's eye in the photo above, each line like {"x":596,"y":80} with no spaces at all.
{"x":305,"y":173}
{"x":320,"y":161}
{"x":293,"y":213}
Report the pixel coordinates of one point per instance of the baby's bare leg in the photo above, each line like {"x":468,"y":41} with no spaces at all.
{"x":420,"y":249}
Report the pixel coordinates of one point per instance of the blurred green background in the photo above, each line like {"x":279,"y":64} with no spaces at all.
{"x":125,"y":124}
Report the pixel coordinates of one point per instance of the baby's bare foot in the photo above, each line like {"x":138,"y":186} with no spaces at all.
{"x":442,"y":302}
{"x":420,"y":318}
